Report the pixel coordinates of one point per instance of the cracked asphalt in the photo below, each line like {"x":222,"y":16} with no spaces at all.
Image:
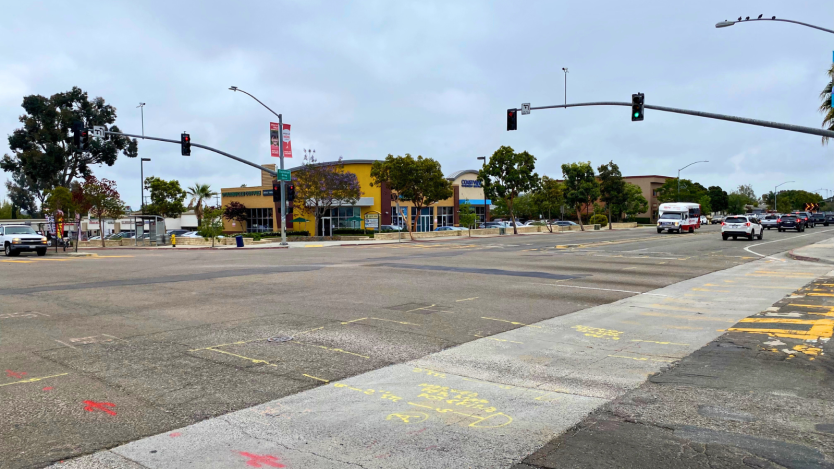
{"x":103,"y":351}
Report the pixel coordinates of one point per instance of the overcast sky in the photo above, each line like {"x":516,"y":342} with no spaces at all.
{"x":364,"y":79}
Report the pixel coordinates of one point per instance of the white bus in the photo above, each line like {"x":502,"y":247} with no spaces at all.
{"x":679,"y":217}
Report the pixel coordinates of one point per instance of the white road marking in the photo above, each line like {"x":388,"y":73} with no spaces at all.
{"x":776,"y":241}
{"x":595,"y":288}
{"x":64,"y":343}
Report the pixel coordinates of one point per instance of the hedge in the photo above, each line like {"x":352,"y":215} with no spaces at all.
{"x":599,"y":219}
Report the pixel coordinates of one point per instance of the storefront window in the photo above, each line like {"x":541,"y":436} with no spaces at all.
{"x":258,"y":220}
{"x":398,"y":219}
{"x":445,"y":216}
{"x":481,"y":213}
{"x":340,"y":215}
{"x":425,"y":222}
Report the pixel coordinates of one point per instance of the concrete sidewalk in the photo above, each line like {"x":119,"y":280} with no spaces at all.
{"x":822,"y":252}
{"x":487,"y":403}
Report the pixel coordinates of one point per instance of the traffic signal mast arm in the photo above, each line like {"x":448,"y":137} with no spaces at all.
{"x":710,"y":115}
{"x":179,"y":142}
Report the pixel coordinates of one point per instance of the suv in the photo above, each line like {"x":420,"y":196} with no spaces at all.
{"x":819,"y":219}
{"x":18,"y":238}
{"x":829,"y":218}
{"x":791,"y":222}
{"x":806,"y":218}
{"x":770,"y":221}
{"x":741,"y":225}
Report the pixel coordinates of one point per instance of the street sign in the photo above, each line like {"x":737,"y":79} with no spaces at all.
{"x":809,"y":207}
{"x":371,"y":220}
{"x":525,"y":108}
{"x":284,"y":175}
{"x":98,"y":131}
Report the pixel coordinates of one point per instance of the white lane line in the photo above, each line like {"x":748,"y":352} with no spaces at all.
{"x":64,"y":343}
{"x":595,"y":288}
{"x":778,"y":240}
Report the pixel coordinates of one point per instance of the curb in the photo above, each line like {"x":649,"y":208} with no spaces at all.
{"x":180,"y":250}
{"x":798,"y":257}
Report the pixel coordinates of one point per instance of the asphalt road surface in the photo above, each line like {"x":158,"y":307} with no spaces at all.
{"x":101,"y":351}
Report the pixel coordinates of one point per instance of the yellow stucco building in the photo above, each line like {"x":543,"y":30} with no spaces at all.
{"x":375,"y":201}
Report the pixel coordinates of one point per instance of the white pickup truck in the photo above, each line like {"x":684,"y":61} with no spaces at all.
{"x":18,"y":238}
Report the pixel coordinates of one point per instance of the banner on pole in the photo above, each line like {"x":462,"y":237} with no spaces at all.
{"x":276,"y":137}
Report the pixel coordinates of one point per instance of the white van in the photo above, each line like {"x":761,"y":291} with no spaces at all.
{"x":679,"y":217}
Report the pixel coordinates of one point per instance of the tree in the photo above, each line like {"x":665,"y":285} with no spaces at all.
{"x":467,"y":216}
{"x":102,"y":198}
{"x":167,"y":197}
{"x":718,"y":198}
{"x":581,"y":186}
{"x":321,"y":186}
{"x":508,"y":174}
{"x":236,"y":211}
{"x":689,"y":191}
{"x":42,"y":151}
{"x":212,"y":224}
{"x":611,"y":187}
{"x":21,"y":193}
{"x":549,"y":196}
{"x":419,"y":181}
{"x":706,"y":204}
{"x":634,"y":202}
{"x":737,"y":202}
{"x":747,"y":191}
{"x":198,"y":193}
{"x":60,"y":199}
{"x":825,"y":107}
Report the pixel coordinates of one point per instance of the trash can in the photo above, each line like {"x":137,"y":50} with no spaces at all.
{"x":597,"y":227}
{"x":502,"y":231}
{"x":239,"y":241}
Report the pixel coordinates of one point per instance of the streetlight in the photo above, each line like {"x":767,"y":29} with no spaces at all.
{"x":281,"y":150}
{"x":565,"y":69}
{"x":483,"y":158}
{"x":679,"y":174}
{"x":775,"y":192}
{"x":142,"y":176}
{"x":726,"y":23}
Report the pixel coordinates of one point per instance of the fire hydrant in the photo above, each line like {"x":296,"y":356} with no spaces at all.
{"x":173,"y":240}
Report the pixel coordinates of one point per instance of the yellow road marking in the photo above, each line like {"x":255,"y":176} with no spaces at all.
{"x":19,"y":262}
{"x":782,"y":320}
{"x":467,"y":299}
{"x":32,"y":380}
{"x":354,"y":320}
{"x":511,"y":322}
{"x":319,"y":379}
{"x":819,"y":294}
{"x":314,"y":245}
{"x":398,"y":322}
{"x":253,"y":360}
{"x":311,"y":330}
{"x":656,"y":342}
{"x":811,"y":306}
{"x":328,"y":348}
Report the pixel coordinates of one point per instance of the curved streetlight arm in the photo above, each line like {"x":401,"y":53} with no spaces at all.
{"x":777,"y":186}
{"x":235,"y":88}
{"x":690,"y":164}
{"x":724,"y":24}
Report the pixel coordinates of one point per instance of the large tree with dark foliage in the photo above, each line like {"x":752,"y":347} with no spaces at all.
{"x":43,"y":155}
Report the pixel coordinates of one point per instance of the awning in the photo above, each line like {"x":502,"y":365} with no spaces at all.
{"x":476,"y":201}
{"x":362,"y":202}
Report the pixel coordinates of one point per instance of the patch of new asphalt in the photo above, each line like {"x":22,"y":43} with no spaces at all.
{"x":169,"y":348}
{"x":759,"y":395}
{"x":491,"y":401}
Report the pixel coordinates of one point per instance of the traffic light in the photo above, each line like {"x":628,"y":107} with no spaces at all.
{"x":637,"y":107}
{"x":84,"y":137}
{"x":185,"y":143}
{"x":512,"y":119}
{"x":290,"y":192}
{"x":77,"y":127}
{"x":276,"y":191}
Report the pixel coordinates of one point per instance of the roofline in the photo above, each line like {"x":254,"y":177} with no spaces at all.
{"x":652,"y":176}
{"x":461,"y":172}
{"x":330,"y":163}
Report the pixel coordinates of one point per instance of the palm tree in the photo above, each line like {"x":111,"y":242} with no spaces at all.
{"x":825,"y":107}
{"x":199,"y":193}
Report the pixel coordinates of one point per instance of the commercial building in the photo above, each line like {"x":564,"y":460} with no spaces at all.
{"x":649,"y":185}
{"x":375,"y":201}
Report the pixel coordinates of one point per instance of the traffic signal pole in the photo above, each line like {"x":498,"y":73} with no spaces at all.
{"x":709,"y":115}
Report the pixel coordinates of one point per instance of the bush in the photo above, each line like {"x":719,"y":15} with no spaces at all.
{"x":599,"y":219}
{"x":349,"y":231}
{"x":259,"y":236}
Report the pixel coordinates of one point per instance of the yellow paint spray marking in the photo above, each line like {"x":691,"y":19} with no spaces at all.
{"x":328,"y":348}
{"x":318,"y":379}
{"x":398,"y":322}
{"x":511,"y":322}
{"x":314,"y":245}
{"x":693,"y":318}
{"x":782,"y":320}
{"x":600,"y":333}
{"x":467,"y":299}
{"x":496,"y":339}
{"x":478,"y":419}
{"x":19,"y":262}
{"x":32,"y":380}
{"x":253,"y":360}
{"x":354,"y":320}
{"x":53,"y":260}
{"x":656,"y":342}
{"x":820,"y":329}
{"x":643,"y":359}
{"x":808,"y":349}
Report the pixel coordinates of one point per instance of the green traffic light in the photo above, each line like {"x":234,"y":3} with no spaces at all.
{"x":636,"y":114}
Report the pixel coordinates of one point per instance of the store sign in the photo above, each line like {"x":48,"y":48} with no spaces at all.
{"x":267,"y":192}
{"x":243,"y":193}
{"x":470,"y":183}
{"x":371,"y":220}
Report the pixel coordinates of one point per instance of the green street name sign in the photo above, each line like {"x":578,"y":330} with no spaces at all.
{"x":284,"y":175}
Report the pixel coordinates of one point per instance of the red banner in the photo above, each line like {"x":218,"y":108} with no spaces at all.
{"x":275,"y":138}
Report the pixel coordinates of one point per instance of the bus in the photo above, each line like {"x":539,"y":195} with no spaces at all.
{"x":679,"y":217}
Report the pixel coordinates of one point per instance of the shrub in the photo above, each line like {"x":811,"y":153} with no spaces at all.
{"x":349,"y":231}
{"x":599,"y":219}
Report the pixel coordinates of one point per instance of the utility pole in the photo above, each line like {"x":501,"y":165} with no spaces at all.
{"x":142,"y":177}
{"x":141,"y":107}
{"x":565,"y":69}
{"x":679,"y":176}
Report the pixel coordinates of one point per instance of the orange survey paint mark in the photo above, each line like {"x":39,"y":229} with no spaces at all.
{"x":48,"y":388}
{"x":175,"y":434}
{"x":15,"y":374}
{"x":93,"y":406}
{"x":261,"y":460}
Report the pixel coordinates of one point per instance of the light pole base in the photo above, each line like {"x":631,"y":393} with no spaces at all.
{"x":283,"y":243}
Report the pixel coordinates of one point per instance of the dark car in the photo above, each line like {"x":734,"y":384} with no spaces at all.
{"x":829,"y":218}
{"x":791,"y":222}
{"x":819,"y":219}
{"x":806,"y":217}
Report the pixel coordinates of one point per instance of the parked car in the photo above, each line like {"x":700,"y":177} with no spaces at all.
{"x":829,"y":218}
{"x":176,"y":232}
{"x":819,"y":219}
{"x":790,"y":221}
{"x":704,"y":220}
{"x":806,"y":218}
{"x":18,"y":238}
{"x":564,"y":223}
{"x":189,"y":234}
{"x":741,"y":225}
{"x":716,"y":220}
{"x":391,"y":228}
{"x":770,"y":221}
{"x":449,"y":228}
